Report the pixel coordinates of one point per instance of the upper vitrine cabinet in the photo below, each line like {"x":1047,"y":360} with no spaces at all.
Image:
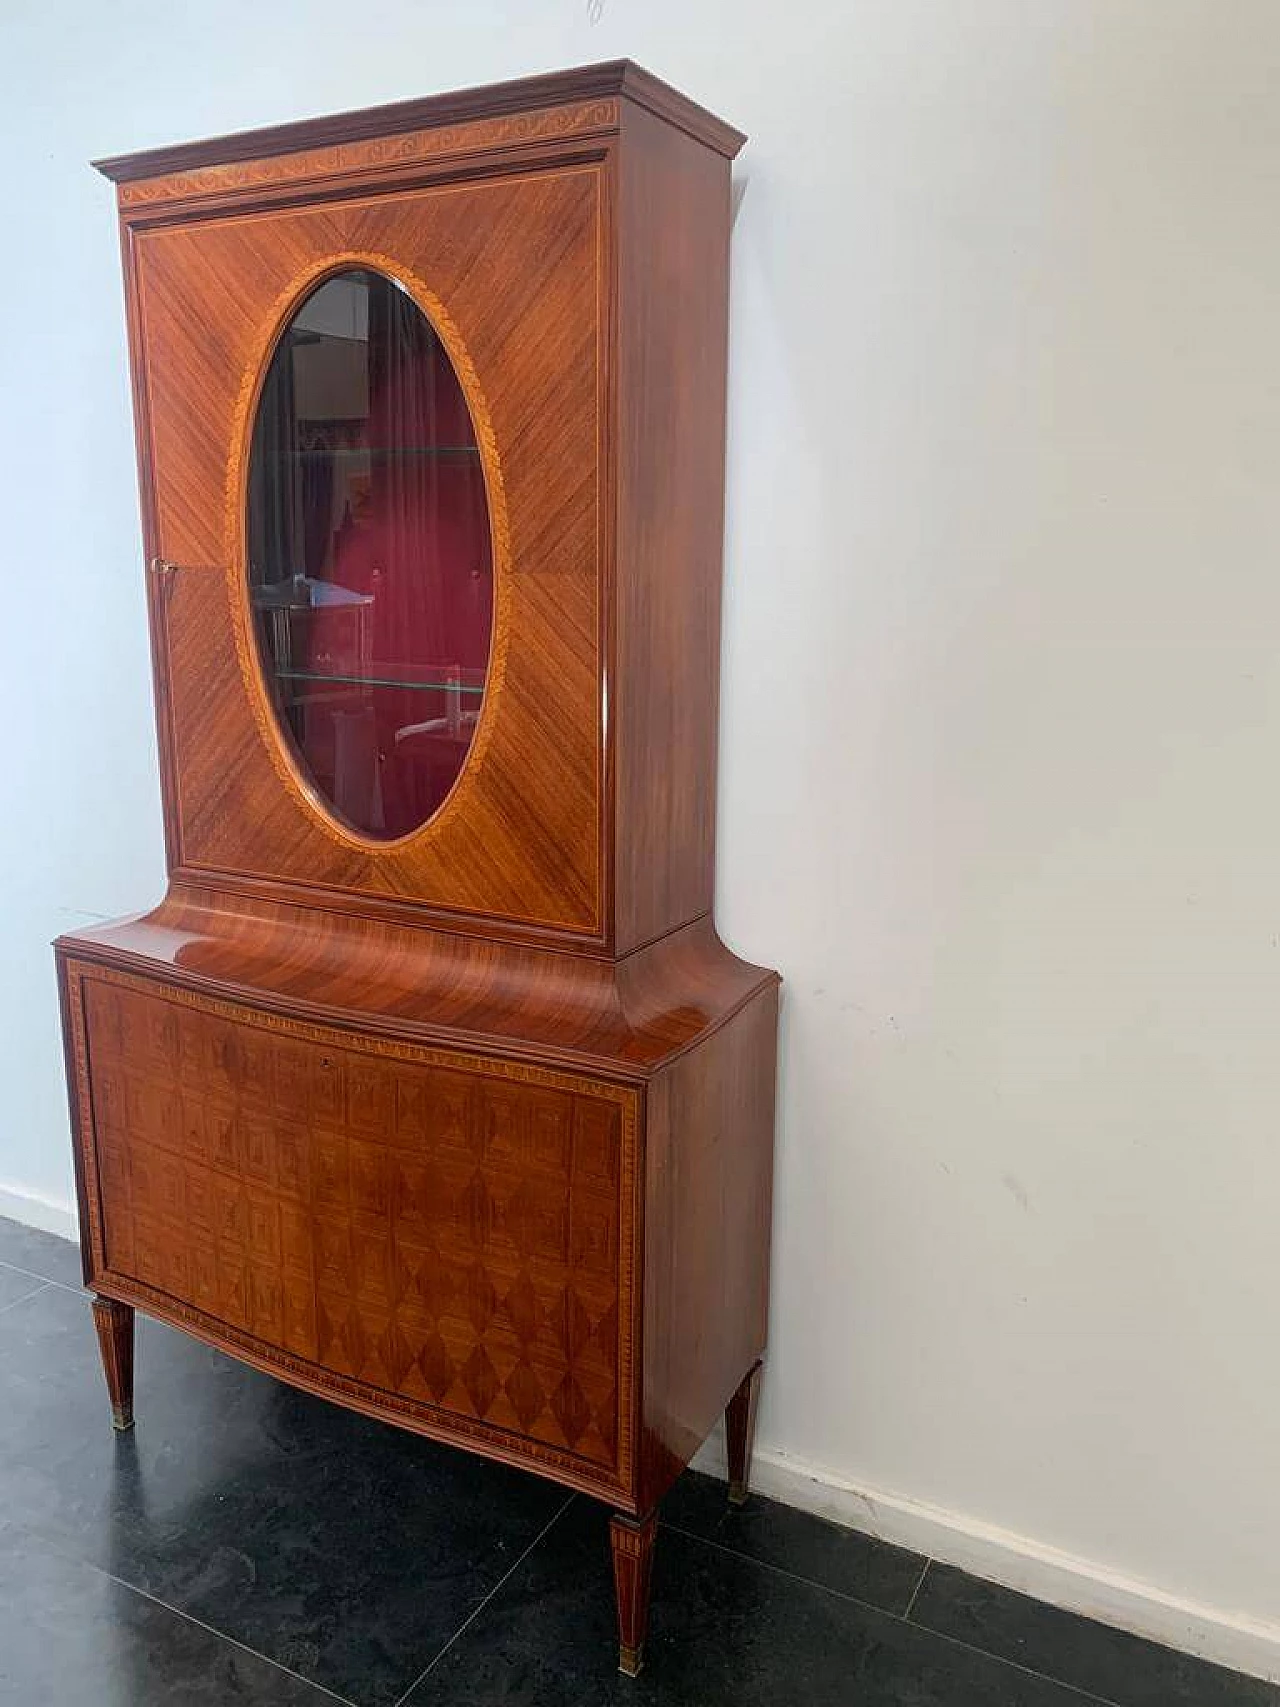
{"x":429,"y":1086}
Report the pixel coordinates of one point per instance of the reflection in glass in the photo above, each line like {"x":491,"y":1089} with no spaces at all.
{"x":370,"y":572}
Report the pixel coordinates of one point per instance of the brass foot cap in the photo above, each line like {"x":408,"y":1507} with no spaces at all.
{"x":737,"y":1493}
{"x":121,"y":1421}
{"x":630,"y":1660}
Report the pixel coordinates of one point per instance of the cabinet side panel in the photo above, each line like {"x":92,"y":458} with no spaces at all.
{"x":672,"y":346}
{"x":708,"y":1203}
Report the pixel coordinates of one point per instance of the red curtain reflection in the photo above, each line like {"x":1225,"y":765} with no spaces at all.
{"x":384,"y":529}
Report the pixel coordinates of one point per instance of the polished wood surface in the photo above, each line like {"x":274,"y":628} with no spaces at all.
{"x":520,"y":839}
{"x":672,"y":356}
{"x":626,"y":1017}
{"x":631,"y":1543}
{"x":708,"y":1210}
{"x":520,"y":103}
{"x":381,"y":162}
{"x":470,"y":1131}
{"x":231,"y":1155}
{"x":451,"y":1232}
{"x":598,"y":823}
{"x":740,"y":1433}
{"x":113,"y":1322}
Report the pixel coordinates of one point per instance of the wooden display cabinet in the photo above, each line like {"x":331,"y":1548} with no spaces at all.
{"x":429,"y":1086}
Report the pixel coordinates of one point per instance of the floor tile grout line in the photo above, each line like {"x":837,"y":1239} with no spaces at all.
{"x":221,"y":1635}
{"x":780,"y":1570}
{"x":71,"y":1557}
{"x":31,"y":1274}
{"x":915,"y":1593}
{"x":1017,"y":1665}
{"x":897,"y":1617}
{"x":478,"y":1609}
{"x":26,"y":1296}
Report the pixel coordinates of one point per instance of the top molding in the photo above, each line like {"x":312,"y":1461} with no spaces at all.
{"x":585,"y":83}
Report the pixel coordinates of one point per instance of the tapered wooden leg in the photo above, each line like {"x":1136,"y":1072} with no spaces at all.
{"x":632,"y":1542}
{"x":740,"y":1433}
{"x":114,"y":1323}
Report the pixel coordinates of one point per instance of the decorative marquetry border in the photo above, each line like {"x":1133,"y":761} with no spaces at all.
{"x":91,"y":1216}
{"x":368,"y":1043}
{"x":377,"y":1401}
{"x":448,"y":1426}
{"x":516,"y":129}
{"x":274,"y":739}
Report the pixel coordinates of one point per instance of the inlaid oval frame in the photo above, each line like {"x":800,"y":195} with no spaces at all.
{"x":281,"y":750}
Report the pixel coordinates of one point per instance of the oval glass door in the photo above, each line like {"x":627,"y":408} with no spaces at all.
{"x":369,"y":549}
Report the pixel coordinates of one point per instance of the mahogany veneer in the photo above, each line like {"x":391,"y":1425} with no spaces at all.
{"x":469,"y":1129}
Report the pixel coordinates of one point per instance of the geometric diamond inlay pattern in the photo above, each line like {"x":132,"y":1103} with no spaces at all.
{"x":442,"y":1234}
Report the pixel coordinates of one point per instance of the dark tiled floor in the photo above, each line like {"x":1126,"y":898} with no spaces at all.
{"x":39,"y":1253}
{"x":246,"y":1544}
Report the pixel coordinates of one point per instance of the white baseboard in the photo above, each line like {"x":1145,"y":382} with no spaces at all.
{"x":43,"y":1212}
{"x":1228,"y":1638}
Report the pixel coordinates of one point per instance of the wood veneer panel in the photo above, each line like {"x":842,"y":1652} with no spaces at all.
{"x":672,"y":352}
{"x":520,"y":839}
{"x":520,"y":103}
{"x":453,"y":1233}
{"x":624,"y":1018}
{"x":329,"y":169}
{"x":708,"y":1207}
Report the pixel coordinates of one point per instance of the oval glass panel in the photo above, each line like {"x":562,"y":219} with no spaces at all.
{"x":369,"y":550}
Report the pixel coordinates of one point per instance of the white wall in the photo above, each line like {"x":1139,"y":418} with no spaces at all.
{"x":1001,"y":703}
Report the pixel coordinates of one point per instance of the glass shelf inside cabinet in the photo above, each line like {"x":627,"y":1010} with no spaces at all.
{"x":414,"y":678}
{"x":371,"y":453}
{"x":369,"y":546}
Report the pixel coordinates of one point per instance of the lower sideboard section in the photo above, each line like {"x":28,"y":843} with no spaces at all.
{"x":437,"y":1237}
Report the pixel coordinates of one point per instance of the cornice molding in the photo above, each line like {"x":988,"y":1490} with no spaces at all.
{"x":556,"y":89}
